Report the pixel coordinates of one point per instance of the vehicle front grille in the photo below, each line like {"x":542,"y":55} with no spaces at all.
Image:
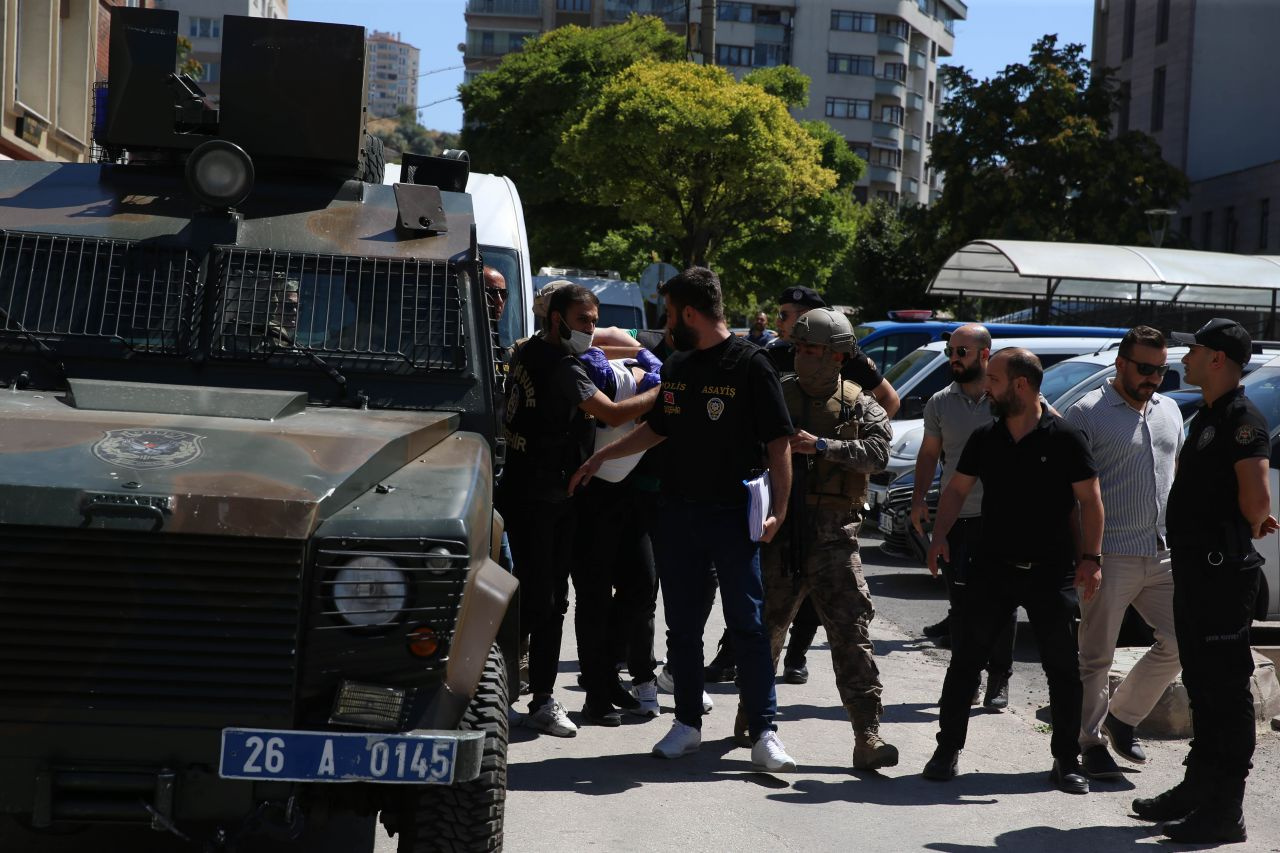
{"x":146,"y":628}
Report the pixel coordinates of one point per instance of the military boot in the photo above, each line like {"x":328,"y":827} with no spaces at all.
{"x":870,"y":751}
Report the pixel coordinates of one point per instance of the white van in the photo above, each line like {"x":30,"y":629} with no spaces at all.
{"x":621,"y":302}
{"x":504,"y":245}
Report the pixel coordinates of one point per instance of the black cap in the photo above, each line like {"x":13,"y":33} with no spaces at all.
{"x":805,"y":296}
{"x":1226,"y":336}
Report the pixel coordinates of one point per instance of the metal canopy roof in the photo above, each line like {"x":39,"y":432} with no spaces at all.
{"x":1024,"y":269}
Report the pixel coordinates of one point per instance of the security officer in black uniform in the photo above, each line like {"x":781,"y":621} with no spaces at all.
{"x":1219,"y":503}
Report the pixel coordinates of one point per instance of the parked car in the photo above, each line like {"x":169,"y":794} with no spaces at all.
{"x":886,"y":342}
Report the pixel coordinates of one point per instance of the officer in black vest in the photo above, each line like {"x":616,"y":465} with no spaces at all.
{"x":724,"y":419}
{"x":1220,"y":502}
{"x":550,"y":399}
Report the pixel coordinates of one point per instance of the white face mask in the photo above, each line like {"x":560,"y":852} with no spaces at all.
{"x":574,"y":341}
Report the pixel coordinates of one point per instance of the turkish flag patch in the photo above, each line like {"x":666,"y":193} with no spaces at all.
{"x":669,"y":397}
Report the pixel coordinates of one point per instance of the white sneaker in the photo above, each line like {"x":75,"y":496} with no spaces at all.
{"x":646,"y":693}
{"x":552,"y":719}
{"x":768,"y":753}
{"x":681,"y":740}
{"x":667,"y":684}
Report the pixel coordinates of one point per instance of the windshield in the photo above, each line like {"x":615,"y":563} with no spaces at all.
{"x":1263,"y":388}
{"x":507,"y":262}
{"x":861,"y":332}
{"x":1064,"y":376}
{"x":901,"y":374}
{"x":622,"y":316}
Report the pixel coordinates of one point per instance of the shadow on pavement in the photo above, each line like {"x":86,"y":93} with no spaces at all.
{"x":1047,"y":839}
{"x":911,"y":789}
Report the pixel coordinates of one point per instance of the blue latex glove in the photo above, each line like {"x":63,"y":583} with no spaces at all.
{"x":597,"y":365}
{"x":650,"y":380}
{"x":650,"y":362}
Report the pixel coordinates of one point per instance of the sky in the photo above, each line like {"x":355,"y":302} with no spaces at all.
{"x":997,"y":33}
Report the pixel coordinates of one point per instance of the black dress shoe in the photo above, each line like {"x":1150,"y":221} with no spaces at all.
{"x":938,"y":629}
{"x":1207,"y":826}
{"x":621,"y":697}
{"x":1123,"y":740}
{"x":1068,"y":778}
{"x":944,"y":765}
{"x":1098,"y":764}
{"x":1173,"y":804}
{"x":795,"y":674}
{"x":997,"y":696}
{"x":601,"y":713}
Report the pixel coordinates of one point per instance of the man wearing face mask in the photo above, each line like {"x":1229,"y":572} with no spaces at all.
{"x":550,"y":400}
{"x":723,"y":419}
{"x":842,"y":435}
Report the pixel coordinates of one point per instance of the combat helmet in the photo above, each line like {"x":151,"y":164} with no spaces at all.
{"x":824,"y":327}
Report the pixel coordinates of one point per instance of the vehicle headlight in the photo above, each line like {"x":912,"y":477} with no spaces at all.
{"x":909,"y":444}
{"x":370,"y":591}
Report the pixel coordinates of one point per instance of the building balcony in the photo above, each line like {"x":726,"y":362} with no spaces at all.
{"x":919,"y":60}
{"x":915,"y":102}
{"x":911,"y":186}
{"x":773,"y":34}
{"x":513,"y":8}
{"x":620,"y":10}
{"x":914,"y":144}
{"x":892,"y":45}
{"x":881,"y":174}
{"x":886,"y":131}
{"x":891,"y":88}
{"x":934,"y":195}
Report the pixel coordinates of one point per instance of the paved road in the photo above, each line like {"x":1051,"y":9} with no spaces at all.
{"x":603,"y":791}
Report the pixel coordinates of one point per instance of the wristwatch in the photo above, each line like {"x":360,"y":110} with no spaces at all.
{"x":1092,"y":558}
{"x":820,"y":445}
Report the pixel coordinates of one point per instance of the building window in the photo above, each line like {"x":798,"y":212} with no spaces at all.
{"x":1264,"y":222}
{"x":740,"y":12}
{"x":891,"y":157}
{"x":210,"y":72}
{"x":205,"y":28}
{"x":1122,"y":104}
{"x":888,"y":197}
{"x":1162,"y":21}
{"x":933,"y":51}
{"x":573,"y":5}
{"x":895,"y":27}
{"x":486,"y":43}
{"x":894,"y":71}
{"x":847,"y":63}
{"x":931,"y":92}
{"x":891,"y":115}
{"x":853,"y":22}
{"x":848,"y":108}
{"x":1206,"y":229}
{"x":928,"y":131}
{"x":1130,"y":12}
{"x":732,"y":54}
{"x":861,"y":149}
{"x":771,"y":55}
{"x":1157,"y":100}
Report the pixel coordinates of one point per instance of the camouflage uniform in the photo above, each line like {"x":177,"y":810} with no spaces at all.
{"x":829,"y":569}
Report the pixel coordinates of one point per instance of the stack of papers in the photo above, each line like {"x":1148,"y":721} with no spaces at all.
{"x":761,"y":497}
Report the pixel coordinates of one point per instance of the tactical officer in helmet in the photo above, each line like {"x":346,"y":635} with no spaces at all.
{"x":842,"y":435}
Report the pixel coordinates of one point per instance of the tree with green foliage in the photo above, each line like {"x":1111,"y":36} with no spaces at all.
{"x":887,"y":268}
{"x":1029,"y":154}
{"x":186,"y":63}
{"x":408,"y":135}
{"x":517,"y":114}
{"x":697,"y":156}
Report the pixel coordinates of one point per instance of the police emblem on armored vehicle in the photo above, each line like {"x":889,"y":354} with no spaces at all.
{"x":148,"y":449}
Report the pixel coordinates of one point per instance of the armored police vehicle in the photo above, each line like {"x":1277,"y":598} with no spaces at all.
{"x":247,"y":442}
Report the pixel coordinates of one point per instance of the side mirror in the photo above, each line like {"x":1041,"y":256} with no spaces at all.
{"x":912,"y":408}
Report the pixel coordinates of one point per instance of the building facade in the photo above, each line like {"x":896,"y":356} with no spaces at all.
{"x":873,"y":63}
{"x":201,"y":22}
{"x":1183,"y":68}
{"x":393,"y":74}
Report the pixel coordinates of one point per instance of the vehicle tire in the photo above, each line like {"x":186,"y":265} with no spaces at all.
{"x":467,"y":816}
{"x":373,"y":160}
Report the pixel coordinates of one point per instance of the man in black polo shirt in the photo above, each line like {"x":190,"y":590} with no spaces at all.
{"x":1220,"y":502}
{"x":723,"y":417}
{"x":1034,"y":468}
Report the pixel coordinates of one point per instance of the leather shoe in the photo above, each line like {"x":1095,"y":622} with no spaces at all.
{"x":1068,"y":778}
{"x":795,"y":674}
{"x":944,"y":765}
{"x":1206,"y":826}
{"x":938,"y":629}
{"x":1123,"y":740}
{"x":997,"y":696}
{"x":720,"y":673}
{"x":601,"y":713}
{"x":1098,"y":763}
{"x":1173,"y":804}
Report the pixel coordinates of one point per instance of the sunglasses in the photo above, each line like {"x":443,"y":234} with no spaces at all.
{"x":1149,"y":369}
{"x":960,"y":352}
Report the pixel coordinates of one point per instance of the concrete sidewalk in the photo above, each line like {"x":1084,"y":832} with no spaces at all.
{"x":603,"y":790}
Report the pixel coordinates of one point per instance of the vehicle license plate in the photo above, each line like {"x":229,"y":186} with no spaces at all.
{"x":885,"y":522}
{"x":337,"y":757}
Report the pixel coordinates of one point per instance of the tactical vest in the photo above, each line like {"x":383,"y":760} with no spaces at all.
{"x":547,"y":436}
{"x":833,"y":486}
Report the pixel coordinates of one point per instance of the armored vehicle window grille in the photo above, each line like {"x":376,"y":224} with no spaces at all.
{"x":147,"y":627}
{"x":136,"y":294}
{"x":376,"y":310}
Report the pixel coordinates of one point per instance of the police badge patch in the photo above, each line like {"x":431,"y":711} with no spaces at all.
{"x":1244,"y":435}
{"x":715,"y":408}
{"x":1205,"y":438}
{"x":148,"y":449}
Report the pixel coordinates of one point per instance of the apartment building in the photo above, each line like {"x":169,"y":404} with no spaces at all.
{"x":393,"y":74}
{"x":873,"y":63}
{"x":50,"y":55}
{"x":201,"y":22}
{"x":1194,"y":76}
